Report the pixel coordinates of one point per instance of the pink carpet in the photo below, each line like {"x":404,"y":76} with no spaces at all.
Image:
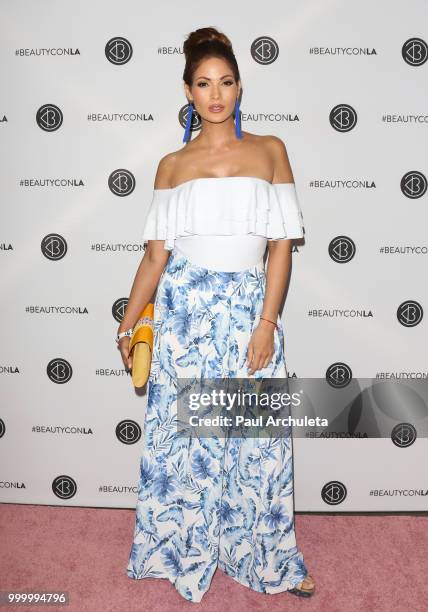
{"x":360,"y":563}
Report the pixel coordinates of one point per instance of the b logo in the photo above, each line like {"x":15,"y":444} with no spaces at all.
{"x":118,"y":50}
{"x":338,"y":375}
{"x":196,"y":118}
{"x":343,"y":118}
{"x":64,"y":487}
{"x":415,"y":52}
{"x":264,"y":50}
{"x":410,"y":313}
{"x":341,"y":249}
{"x":121,"y":182}
{"x":128,"y":432}
{"x":49,"y":117}
{"x":118,"y":309}
{"x":54,"y":247}
{"x":59,"y":370}
{"x":403,"y":435}
{"x":333,"y":493}
{"x":413,"y":184}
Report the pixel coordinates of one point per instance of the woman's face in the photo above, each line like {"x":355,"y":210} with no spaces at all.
{"x":214,"y":90}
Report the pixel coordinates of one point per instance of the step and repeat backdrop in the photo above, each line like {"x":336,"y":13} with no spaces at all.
{"x":91,"y":100}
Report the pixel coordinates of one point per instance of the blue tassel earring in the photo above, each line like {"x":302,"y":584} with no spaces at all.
{"x":186,"y":136}
{"x":237,"y":120}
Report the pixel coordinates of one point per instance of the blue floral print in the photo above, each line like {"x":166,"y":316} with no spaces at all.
{"x":213,"y":502}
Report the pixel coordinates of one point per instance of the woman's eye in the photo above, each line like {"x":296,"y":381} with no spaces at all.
{"x":202,"y":83}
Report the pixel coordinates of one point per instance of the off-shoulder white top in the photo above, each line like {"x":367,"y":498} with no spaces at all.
{"x":224,"y":223}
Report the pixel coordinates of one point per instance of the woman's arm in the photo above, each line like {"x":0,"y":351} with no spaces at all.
{"x":153,"y":263}
{"x":277,"y":277}
{"x":261,"y":348}
{"x":279,"y":251}
{"x":145,"y":282}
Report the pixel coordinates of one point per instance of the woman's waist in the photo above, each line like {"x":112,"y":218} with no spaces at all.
{"x":223,"y":253}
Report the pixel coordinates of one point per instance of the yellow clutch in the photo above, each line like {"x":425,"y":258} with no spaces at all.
{"x":141,"y":346}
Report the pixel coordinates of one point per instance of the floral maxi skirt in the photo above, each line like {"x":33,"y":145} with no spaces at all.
{"x":203,"y":503}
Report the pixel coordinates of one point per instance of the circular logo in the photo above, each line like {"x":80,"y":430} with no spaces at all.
{"x":49,"y":117}
{"x":341,"y":249}
{"x":121,"y":182}
{"x":118,"y":309}
{"x":59,"y":370}
{"x":403,"y":435}
{"x":410,"y":313}
{"x":338,"y":375}
{"x":196,"y":118}
{"x":53,"y":246}
{"x":2,"y":428}
{"x":118,"y":50}
{"x":413,"y":184}
{"x":128,"y":432}
{"x":343,"y":117}
{"x":264,"y":50}
{"x":333,"y":493}
{"x":415,"y":51}
{"x":64,"y":487}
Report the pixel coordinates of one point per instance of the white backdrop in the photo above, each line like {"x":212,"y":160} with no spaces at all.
{"x":90,"y":101}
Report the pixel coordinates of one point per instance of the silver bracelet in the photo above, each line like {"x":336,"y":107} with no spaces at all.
{"x":123,"y":334}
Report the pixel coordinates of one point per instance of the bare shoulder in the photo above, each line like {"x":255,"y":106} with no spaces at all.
{"x":166,"y":168}
{"x":277,"y":151}
{"x":269,"y":142}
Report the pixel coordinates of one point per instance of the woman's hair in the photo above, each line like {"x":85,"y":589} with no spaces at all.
{"x":204,"y":43}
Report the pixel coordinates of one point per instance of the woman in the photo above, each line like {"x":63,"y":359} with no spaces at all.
{"x":217,"y":203}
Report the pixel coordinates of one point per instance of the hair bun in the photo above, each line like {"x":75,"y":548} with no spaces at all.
{"x":203,"y":35}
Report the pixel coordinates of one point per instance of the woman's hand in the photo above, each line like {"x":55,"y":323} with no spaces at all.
{"x":124,"y":351}
{"x":260,"y":347}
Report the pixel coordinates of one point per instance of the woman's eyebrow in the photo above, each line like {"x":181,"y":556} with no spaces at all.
{"x":222,"y":77}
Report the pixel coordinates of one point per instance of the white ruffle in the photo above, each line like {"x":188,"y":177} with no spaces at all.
{"x":224,"y":206}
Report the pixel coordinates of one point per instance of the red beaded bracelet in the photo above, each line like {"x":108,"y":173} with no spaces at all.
{"x":264,"y":319}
